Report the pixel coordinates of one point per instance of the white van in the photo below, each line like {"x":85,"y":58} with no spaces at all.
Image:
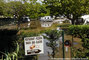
{"x":25,"y":19}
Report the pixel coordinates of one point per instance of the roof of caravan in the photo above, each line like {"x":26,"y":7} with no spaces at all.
{"x":85,"y":16}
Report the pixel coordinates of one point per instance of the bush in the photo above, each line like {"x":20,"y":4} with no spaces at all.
{"x":28,"y":34}
{"x":8,"y":40}
{"x":79,"y":30}
{"x":64,"y":25}
{"x":86,"y":43}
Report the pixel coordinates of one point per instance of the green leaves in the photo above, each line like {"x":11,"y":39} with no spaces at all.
{"x":74,"y":7}
{"x":32,"y":9}
{"x":81,"y":31}
{"x":53,"y":34}
{"x":2,"y":4}
{"x":68,"y":7}
{"x":53,"y":37}
{"x":36,"y":10}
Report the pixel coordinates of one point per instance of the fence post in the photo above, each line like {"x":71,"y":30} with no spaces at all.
{"x":63,"y":45}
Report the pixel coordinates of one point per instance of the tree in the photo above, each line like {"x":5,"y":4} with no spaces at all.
{"x":2,"y":4}
{"x":36,"y":10}
{"x":53,"y":6}
{"x":72,"y":9}
{"x":19,"y":9}
{"x":52,"y":36}
{"x":15,"y":8}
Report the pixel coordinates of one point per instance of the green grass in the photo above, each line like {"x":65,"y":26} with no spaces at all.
{"x":38,"y":29}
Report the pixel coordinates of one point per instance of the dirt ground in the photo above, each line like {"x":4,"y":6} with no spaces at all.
{"x":68,"y":53}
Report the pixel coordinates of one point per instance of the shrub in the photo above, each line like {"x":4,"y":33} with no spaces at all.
{"x":64,"y":25}
{"x":8,"y":40}
{"x":79,"y":30}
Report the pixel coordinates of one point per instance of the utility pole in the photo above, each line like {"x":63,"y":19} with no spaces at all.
{"x":63,"y":45}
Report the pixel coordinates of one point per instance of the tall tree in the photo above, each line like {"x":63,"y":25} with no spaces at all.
{"x":53,"y":6}
{"x":14,"y":8}
{"x":2,"y":4}
{"x":36,"y":10}
{"x":72,"y":9}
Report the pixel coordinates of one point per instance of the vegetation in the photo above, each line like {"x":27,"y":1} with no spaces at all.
{"x":72,"y":9}
{"x":52,"y":36}
{"x":64,"y":27}
{"x":21,"y":53}
{"x":1,"y":7}
{"x":81,"y":31}
{"x":8,"y":44}
{"x":19,"y":9}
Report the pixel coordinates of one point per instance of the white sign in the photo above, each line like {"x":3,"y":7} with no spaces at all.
{"x":33,"y":45}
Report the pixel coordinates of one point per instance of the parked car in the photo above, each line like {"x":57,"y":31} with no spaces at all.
{"x":46,"y":18}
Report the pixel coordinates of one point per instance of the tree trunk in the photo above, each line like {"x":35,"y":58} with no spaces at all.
{"x":72,"y":21}
{"x":18,"y":25}
{"x":53,"y":53}
{"x":77,"y":22}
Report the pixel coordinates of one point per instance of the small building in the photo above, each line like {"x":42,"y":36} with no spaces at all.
{"x":46,"y":18}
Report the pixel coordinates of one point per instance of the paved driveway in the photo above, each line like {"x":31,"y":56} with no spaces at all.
{"x":46,"y":50}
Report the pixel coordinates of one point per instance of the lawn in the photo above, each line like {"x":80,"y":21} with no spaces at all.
{"x":39,"y":29}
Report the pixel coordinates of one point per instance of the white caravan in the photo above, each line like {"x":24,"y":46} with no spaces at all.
{"x":86,"y":19}
{"x":46,"y":18}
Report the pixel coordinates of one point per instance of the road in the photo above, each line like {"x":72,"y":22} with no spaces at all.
{"x":46,"y":50}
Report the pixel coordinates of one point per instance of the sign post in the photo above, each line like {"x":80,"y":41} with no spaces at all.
{"x":66,"y":49}
{"x":34,"y":45}
{"x":67,"y":45}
